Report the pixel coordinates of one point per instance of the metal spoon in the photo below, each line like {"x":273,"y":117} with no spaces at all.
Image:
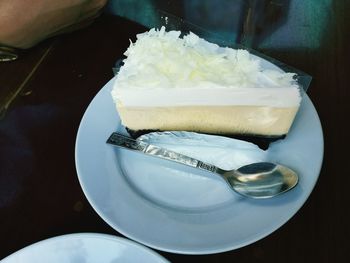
{"x":256,"y":180}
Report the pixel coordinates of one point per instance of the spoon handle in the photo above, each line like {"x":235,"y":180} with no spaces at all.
{"x":140,"y":146}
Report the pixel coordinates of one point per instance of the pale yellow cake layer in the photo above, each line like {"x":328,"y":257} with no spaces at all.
{"x":256,"y":120}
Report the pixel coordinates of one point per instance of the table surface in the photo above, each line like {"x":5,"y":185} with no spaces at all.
{"x":52,"y":84}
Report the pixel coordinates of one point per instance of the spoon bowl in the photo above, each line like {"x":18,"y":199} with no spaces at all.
{"x":261,"y":180}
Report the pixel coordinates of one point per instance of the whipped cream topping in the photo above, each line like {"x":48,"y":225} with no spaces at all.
{"x":163,"y":69}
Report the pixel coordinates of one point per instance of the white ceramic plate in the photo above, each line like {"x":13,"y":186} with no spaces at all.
{"x":187,"y":214}
{"x":85,"y":247}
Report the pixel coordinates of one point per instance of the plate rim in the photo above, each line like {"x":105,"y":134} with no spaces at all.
{"x":90,"y":235}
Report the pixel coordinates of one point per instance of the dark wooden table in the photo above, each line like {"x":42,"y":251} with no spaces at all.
{"x":50,"y":88}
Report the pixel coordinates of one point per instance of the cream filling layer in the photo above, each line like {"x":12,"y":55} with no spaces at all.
{"x":210,"y":95}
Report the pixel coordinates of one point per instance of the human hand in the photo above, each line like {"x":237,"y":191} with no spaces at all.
{"x":24,"y":23}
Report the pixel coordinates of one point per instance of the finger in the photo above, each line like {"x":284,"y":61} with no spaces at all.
{"x":74,"y":27}
{"x":92,"y":9}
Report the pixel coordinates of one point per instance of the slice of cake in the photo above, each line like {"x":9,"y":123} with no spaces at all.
{"x":188,"y":84}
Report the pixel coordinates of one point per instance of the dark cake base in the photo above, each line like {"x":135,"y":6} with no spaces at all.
{"x":262,"y":142}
